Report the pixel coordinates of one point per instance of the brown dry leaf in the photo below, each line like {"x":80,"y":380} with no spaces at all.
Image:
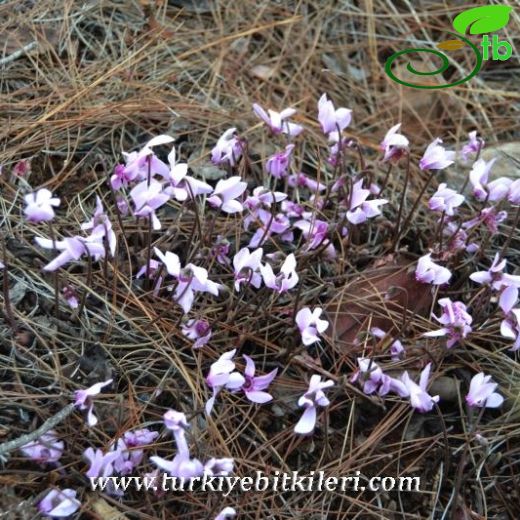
{"x":106,"y":511}
{"x":377,"y":298}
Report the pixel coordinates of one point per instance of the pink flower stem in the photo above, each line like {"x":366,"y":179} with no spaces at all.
{"x":401,"y":204}
{"x":7,"y":300}
{"x":56,"y":275}
{"x":406,"y":223}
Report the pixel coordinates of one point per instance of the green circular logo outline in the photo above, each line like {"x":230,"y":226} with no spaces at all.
{"x":445,"y":64}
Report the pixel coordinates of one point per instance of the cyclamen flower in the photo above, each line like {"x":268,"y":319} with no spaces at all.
{"x":276,"y":120}
{"x":72,"y":248}
{"x":310,"y":324}
{"x":445,"y":200}
{"x":310,"y":400}
{"x":396,"y":347}
{"x":495,"y":276}
{"x":474,"y":145}
{"x":182,"y":186}
{"x":510,"y":328}
{"x":182,"y":465}
{"x":304,"y":181}
{"x":372,"y":377}
{"x":71,"y":297}
{"x":514,"y":193}
{"x":314,"y":231}
{"x":140,"y":163}
{"x":270,"y":224}
{"x":59,"y":503}
{"x":226,"y":514}
{"x":228,"y":148}
{"x":190,"y":280}
{"x":247,"y":265}
{"x":198,"y":330}
{"x":219,"y":467}
{"x":225,"y":193}
{"x":83,"y":400}
{"x":436,"y":157}
{"x":222,"y":374}
{"x":456,"y":321}
{"x":100,"y":227}
{"x":254,"y":386}
{"x":278,"y":164}
{"x":360,"y":209}
{"x":428,"y":271}
{"x":420,"y":399}
{"x":129,"y":457}
{"x":147,"y":198}
{"x":46,"y":449}
{"x":490,"y":217}
{"x":285,"y":280}
{"x":331,"y":119}
{"x":482,"y":392}
{"x":482,"y":189}
{"x":394,"y":145}
{"x":220,"y":250}
{"x":100,"y":464}
{"x":40,"y":206}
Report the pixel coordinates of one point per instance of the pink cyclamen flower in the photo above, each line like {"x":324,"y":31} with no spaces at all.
{"x":310,"y":324}
{"x":222,"y":374}
{"x":44,"y":450}
{"x":40,"y":206}
{"x":226,"y":514}
{"x":362,"y":209}
{"x":254,"y":386}
{"x":182,"y":464}
{"x":482,"y":189}
{"x":59,"y":503}
{"x":396,"y":347}
{"x":247,"y":265}
{"x":72,"y":248}
{"x":490,"y":217}
{"x":170,"y":260}
{"x":285,"y":280}
{"x":278,"y":164}
{"x":331,"y":119}
{"x":428,"y":271}
{"x":420,"y":399}
{"x":182,"y":186}
{"x":100,"y":227}
{"x":314,"y":231}
{"x":304,"y":181}
{"x":225,"y":194}
{"x":310,"y":400}
{"x":445,"y":200}
{"x":372,"y":378}
{"x":495,"y":276}
{"x":228,"y":148}
{"x":394,"y":145}
{"x":513,"y":195}
{"x":193,"y":279}
{"x":456,"y":321}
{"x":100,"y":464}
{"x":474,"y":145}
{"x":219,"y":467}
{"x":276,"y":121}
{"x":482,"y":392}
{"x":147,"y":198}
{"x":436,"y":157}
{"x":83,"y":400}
{"x":198,"y":330}
{"x":71,"y":296}
{"x":510,"y":328}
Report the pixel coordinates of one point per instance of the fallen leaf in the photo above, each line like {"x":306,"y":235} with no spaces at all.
{"x":376,"y":298}
{"x":106,"y":511}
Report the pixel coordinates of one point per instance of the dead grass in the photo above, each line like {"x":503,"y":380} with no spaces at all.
{"x":104,"y":76}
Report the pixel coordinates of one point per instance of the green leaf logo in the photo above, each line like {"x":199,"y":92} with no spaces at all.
{"x":481,"y":20}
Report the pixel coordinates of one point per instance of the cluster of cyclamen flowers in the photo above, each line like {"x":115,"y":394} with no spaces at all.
{"x":145,"y":183}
